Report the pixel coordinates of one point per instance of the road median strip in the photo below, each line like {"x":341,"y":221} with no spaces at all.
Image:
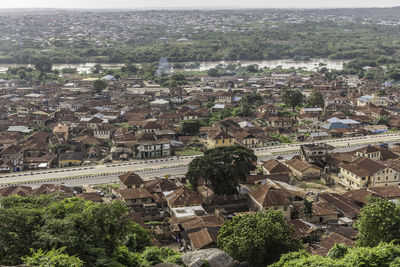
{"x":89,"y":175}
{"x":150,"y":168}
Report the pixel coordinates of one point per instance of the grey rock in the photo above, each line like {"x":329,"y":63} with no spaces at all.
{"x":197,"y":263}
{"x":215,"y":257}
{"x":220,"y":259}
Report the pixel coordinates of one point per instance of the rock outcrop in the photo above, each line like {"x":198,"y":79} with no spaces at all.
{"x":213,"y":256}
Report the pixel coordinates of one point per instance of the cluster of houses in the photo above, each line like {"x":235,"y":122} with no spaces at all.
{"x":192,"y":218}
{"x":57,"y":125}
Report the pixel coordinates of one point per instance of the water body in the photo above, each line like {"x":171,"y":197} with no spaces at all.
{"x":284,"y":63}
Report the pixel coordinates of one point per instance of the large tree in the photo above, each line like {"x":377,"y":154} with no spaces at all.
{"x":99,"y":85}
{"x":293,"y":98}
{"x":222,"y":168}
{"x":259,"y":238}
{"x":379,"y":222}
{"x":190,"y":127}
{"x":316,"y":99}
{"x":97,"y":68}
{"x":43,"y":66}
{"x":247,"y":104}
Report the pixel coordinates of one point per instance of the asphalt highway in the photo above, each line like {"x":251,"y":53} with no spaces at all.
{"x":100,"y":174}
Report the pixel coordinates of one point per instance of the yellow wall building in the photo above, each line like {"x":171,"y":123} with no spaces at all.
{"x":220,"y":139}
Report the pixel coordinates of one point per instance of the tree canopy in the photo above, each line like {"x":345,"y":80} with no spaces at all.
{"x":99,"y":85}
{"x":248,"y":104}
{"x":43,"y":65}
{"x":190,"y":127}
{"x":293,"y":98}
{"x":316,"y":99}
{"x":379,"y":222}
{"x":383,"y":255}
{"x":258,"y":238}
{"x":70,"y":229}
{"x":54,"y":258}
{"x":222,"y":168}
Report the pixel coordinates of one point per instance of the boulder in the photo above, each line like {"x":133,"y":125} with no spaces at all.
{"x":197,"y":263}
{"x":215,"y":258}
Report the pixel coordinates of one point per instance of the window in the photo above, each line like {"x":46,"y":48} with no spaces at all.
{"x":285,"y":208}
{"x":216,"y":141}
{"x":223,"y":141}
{"x":363,"y":178}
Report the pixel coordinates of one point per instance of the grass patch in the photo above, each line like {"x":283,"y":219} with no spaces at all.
{"x":189,"y":152}
{"x":319,"y":182}
{"x":107,"y":187}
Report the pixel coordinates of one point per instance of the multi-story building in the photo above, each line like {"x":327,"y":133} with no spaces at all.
{"x":220,"y":139}
{"x":365,"y":172}
{"x":316,"y":152}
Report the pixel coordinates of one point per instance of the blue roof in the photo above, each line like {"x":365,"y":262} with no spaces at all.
{"x":344,"y":121}
{"x":365,"y":98}
{"x":335,"y":125}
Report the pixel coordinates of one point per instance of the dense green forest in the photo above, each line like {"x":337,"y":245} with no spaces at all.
{"x":297,"y":41}
{"x":74,"y":232}
{"x":209,"y":36}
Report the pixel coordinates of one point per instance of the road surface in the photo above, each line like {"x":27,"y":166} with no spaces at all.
{"x":99,"y":174}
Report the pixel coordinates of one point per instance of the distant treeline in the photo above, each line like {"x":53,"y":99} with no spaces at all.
{"x":299,"y":41}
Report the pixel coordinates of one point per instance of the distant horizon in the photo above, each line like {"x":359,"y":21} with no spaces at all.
{"x":190,"y":8}
{"x":190,"y":4}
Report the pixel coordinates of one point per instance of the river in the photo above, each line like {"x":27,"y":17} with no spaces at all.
{"x":284,"y":63}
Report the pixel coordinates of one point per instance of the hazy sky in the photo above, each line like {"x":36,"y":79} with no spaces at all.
{"x":193,"y":3}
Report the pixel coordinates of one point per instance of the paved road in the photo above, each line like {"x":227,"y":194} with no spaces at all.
{"x":146,"y":175}
{"x":159,"y":167}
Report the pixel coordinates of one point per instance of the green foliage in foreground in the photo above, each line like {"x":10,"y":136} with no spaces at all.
{"x":383,"y":255}
{"x":148,"y":258}
{"x":54,"y":258}
{"x":379,"y":222}
{"x":72,"y":232}
{"x":258,"y":238}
